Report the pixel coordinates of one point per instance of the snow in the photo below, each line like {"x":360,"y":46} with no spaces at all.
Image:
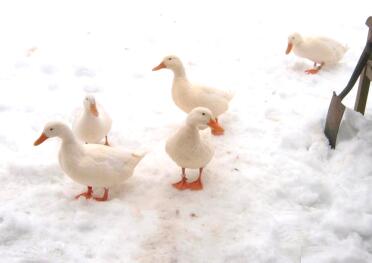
{"x":274,"y":191}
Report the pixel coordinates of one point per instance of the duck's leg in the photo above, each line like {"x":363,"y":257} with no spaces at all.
{"x":315,"y":69}
{"x":106,"y":141}
{"x":197,"y":184}
{"x":181,"y":185}
{"x":104,"y":197}
{"x":217,"y":130}
{"x":87,"y":194}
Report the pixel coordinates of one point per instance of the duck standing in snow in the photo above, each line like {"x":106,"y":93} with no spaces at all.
{"x":188,"y":96}
{"x":93,"y":165}
{"x":189,"y":150}
{"x":93,"y":123}
{"x":320,"y":50}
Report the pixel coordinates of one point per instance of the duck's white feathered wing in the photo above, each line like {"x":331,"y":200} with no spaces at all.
{"x":321,"y":49}
{"x":227,"y":95}
{"x":338,"y":50}
{"x":106,"y":166}
{"x":214,"y":99}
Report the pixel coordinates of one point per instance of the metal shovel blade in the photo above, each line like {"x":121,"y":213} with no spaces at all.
{"x":334,"y":116}
{"x":336,"y":108}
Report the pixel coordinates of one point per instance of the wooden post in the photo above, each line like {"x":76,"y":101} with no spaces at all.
{"x":369,"y":70}
{"x":363,"y":88}
{"x":364,"y":81}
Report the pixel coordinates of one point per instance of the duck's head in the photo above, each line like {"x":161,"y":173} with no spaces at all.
{"x":201,"y":116}
{"x":293,"y":40}
{"x":52,"y":129}
{"x":170,"y":62}
{"x":90,"y":105}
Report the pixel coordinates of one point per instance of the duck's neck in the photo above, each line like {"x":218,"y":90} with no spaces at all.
{"x":298,"y":44}
{"x":179,"y":72}
{"x":69,"y":141}
{"x":88,"y":114}
{"x":192,"y":132}
{"x":181,"y":92}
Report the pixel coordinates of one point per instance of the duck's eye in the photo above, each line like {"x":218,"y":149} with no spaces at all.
{"x":169,"y":58}
{"x":203,"y":113}
{"x":51,"y":129}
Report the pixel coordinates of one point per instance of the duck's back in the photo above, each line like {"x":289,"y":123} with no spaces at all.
{"x":320,"y":49}
{"x":337,"y":49}
{"x":188,"y":96}
{"x":215,"y":100}
{"x":99,"y":165}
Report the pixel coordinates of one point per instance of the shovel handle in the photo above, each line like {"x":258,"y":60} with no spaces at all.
{"x":358,"y":69}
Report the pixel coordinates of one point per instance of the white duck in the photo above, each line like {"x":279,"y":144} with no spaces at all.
{"x":188,"y":96}
{"x":188,"y":149}
{"x":92,"y":124}
{"x":320,"y":50}
{"x":93,"y":165}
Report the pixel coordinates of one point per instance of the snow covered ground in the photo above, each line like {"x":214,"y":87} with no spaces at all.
{"x":274,"y":192}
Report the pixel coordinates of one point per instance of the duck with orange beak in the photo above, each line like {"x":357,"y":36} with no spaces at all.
{"x":321,"y":50}
{"x":188,"y":96}
{"x":189,"y":150}
{"x":93,"y":123}
{"x":92,"y":165}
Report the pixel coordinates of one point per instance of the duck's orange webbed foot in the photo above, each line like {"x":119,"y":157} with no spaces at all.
{"x":104,"y":197}
{"x":312,"y":71}
{"x":196,"y":185}
{"x":181,"y":185}
{"x":87,"y":194}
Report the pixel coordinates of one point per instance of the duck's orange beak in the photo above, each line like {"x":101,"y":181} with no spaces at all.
{"x":215,"y":127}
{"x":160,"y":66}
{"x":289,"y":48}
{"x":93,"y":109}
{"x":40,"y":140}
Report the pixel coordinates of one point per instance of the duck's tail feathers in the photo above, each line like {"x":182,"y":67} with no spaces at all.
{"x":346,"y":48}
{"x":230,"y":94}
{"x":132,"y":159}
{"x":138,"y":156}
